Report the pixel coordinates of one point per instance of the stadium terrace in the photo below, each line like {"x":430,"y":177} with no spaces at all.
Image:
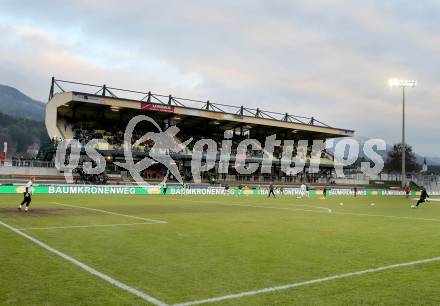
{"x":102,"y":113}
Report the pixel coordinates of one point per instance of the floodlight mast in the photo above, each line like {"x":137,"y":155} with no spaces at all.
{"x":403,"y":84}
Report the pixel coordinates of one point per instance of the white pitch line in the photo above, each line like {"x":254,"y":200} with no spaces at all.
{"x":111,"y":213}
{"x":309,"y":282}
{"x":85,"y":226}
{"x":317,"y":211}
{"x":87,"y":268}
{"x":259,"y":206}
{"x":387,"y":216}
{"x":428,"y":199}
{"x":310,"y":206}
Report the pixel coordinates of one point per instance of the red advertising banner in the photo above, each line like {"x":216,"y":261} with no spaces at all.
{"x":163,"y":108}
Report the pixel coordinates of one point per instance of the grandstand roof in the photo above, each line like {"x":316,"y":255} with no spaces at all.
{"x":187,"y":113}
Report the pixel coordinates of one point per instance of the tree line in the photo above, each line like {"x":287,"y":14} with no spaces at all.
{"x":21,"y":134}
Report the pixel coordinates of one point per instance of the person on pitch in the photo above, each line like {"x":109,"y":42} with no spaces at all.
{"x":407,"y":190}
{"x":164,"y":188}
{"x":304,"y":190}
{"x":27,"y":196}
{"x":271,"y":191}
{"x":423,"y":197}
{"x":282,"y":190}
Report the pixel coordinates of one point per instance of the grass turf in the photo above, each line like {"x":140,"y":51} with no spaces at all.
{"x":214,"y":246}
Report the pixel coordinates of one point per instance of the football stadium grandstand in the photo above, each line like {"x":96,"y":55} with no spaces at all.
{"x":100,"y":112}
{"x":84,"y":112}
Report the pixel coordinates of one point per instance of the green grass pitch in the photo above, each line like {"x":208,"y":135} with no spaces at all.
{"x":213,"y":246}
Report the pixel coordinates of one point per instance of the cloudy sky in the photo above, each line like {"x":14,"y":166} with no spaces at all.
{"x":330,"y":59}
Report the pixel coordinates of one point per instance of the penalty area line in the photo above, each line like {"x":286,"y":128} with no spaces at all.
{"x":428,"y":199}
{"x":87,"y":268}
{"x":85,"y":226}
{"x":309,"y":282}
{"x":316,"y":211}
{"x":110,"y":212}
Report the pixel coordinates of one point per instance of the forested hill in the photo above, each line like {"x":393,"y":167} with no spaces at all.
{"x":21,"y":133}
{"x":15,"y":103}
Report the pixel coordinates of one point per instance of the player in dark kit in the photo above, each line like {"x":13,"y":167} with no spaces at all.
{"x":423,"y":197}
{"x":27,"y":196}
{"x":271,"y":191}
{"x":164,"y":188}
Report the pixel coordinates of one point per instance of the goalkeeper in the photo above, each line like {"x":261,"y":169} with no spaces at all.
{"x":423,"y":197}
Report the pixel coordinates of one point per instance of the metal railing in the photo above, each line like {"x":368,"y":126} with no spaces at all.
{"x":59,"y":86}
{"x":27,"y":163}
